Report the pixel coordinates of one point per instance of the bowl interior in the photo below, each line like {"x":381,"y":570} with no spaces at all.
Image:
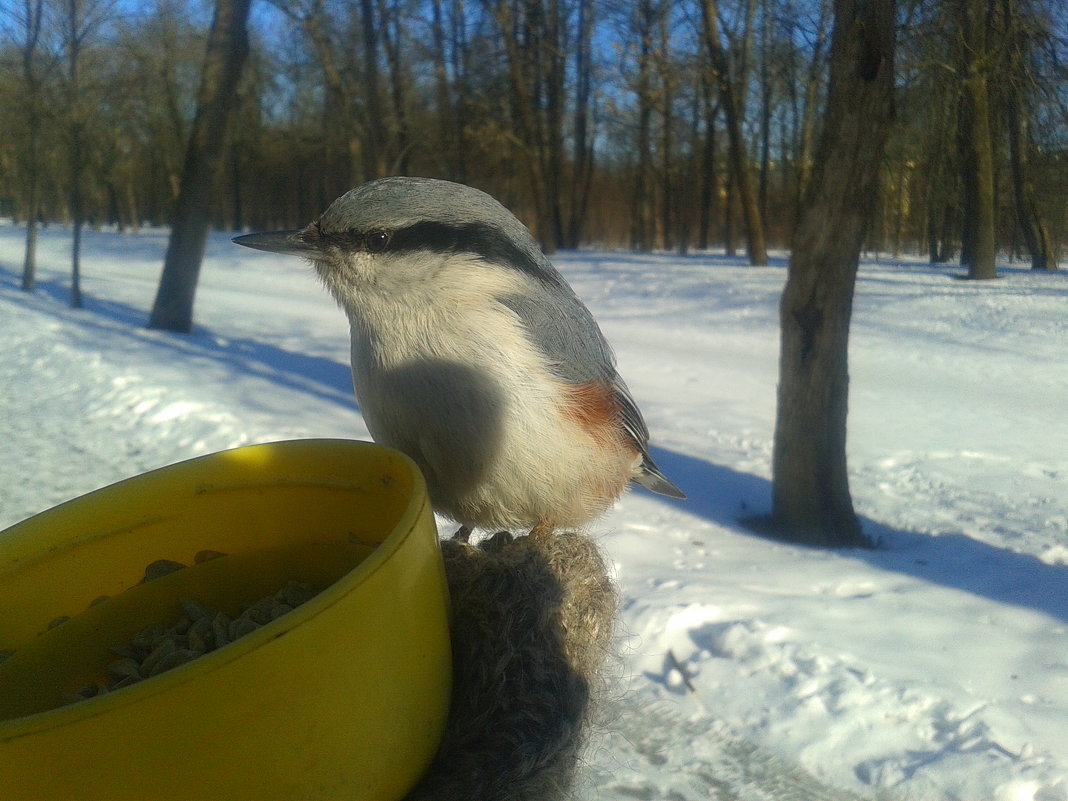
{"x":308,"y":511}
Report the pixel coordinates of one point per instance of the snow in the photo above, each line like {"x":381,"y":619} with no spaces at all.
{"x":934,"y":667}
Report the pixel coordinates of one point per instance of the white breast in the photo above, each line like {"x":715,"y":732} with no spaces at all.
{"x":448,"y":376}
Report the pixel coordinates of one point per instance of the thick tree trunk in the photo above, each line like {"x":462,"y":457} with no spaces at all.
{"x":979,"y":248}
{"x":226,"y":53}
{"x":810,"y":495}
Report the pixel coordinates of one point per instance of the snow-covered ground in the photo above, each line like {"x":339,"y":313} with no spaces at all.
{"x":935,"y":667}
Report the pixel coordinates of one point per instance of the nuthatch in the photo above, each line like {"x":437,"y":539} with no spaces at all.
{"x":472,"y":354}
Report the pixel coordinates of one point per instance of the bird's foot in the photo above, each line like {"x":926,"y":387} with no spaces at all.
{"x":542,"y":531}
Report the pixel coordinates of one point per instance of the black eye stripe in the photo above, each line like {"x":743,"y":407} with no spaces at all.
{"x":376,"y":241}
{"x":479,"y":239}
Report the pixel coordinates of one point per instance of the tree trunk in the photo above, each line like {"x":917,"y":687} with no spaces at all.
{"x":765,"y":110}
{"x":341,"y":147}
{"x":582,"y":155}
{"x":29,"y":259}
{"x":529,"y":94}
{"x":445,"y":112}
{"x":709,"y":179}
{"x":77,"y":173}
{"x":640,"y":234}
{"x":730,"y":245}
{"x":553,"y":81}
{"x":979,"y":248}
{"x":1035,"y":232}
{"x":688,"y":180}
{"x":226,"y":53}
{"x":461,"y":60}
{"x":811,"y":502}
{"x":34,"y":16}
{"x":76,"y":30}
{"x":237,"y":207}
{"x":811,"y":101}
{"x":669,"y":190}
{"x":373,"y":150}
{"x":733,"y":109}
{"x":939,"y":173}
{"x":392,"y":44}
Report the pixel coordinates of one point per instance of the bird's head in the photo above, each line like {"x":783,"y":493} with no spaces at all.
{"x":411,"y":237}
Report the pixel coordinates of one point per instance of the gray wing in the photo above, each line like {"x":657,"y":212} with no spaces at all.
{"x":566,"y":332}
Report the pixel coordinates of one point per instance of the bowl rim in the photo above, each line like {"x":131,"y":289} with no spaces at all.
{"x":404,"y":527}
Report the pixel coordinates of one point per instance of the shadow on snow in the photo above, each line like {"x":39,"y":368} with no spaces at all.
{"x":318,"y":375}
{"x":722,"y":496}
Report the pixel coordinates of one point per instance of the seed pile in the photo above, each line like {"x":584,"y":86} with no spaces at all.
{"x":200,"y":630}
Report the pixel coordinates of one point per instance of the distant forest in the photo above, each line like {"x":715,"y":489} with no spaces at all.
{"x":648,"y":124}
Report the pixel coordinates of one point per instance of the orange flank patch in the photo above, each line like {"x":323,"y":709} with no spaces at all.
{"x":593,"y":406}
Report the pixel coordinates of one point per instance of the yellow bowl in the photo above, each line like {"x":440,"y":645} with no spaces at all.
{"x":343,"y":698}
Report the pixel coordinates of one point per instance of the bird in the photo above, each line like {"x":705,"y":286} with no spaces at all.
{"x":472,"y":355}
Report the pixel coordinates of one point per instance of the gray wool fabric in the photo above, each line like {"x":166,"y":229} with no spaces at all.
{"x":533,"y":620}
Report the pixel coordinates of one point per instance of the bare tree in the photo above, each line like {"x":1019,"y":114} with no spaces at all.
{"x":27,"y":21}
{"x":1018,"y":46}
{"x":374,"y":149}
{"x":598,"y":121}
{"x":641,"y":223}
{"x":535,"y":38}
{"x":765,"y":108}
{"x":709,"y":177}
{"x":339,"y":142}
{"x":813,"y":75}
{"x":226,"y":53}
{"x":450,"y":56}
{"x":583,"y":153}
{"x":392,"y":30}
{"x":810,"y":491}
{"x":733,"y":107}
{"x":79,"y":21}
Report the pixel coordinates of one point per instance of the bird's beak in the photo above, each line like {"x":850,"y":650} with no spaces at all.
{"x":289,"y":243}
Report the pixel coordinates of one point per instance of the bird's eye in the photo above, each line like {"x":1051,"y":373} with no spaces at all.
{"x":377,"y":241}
